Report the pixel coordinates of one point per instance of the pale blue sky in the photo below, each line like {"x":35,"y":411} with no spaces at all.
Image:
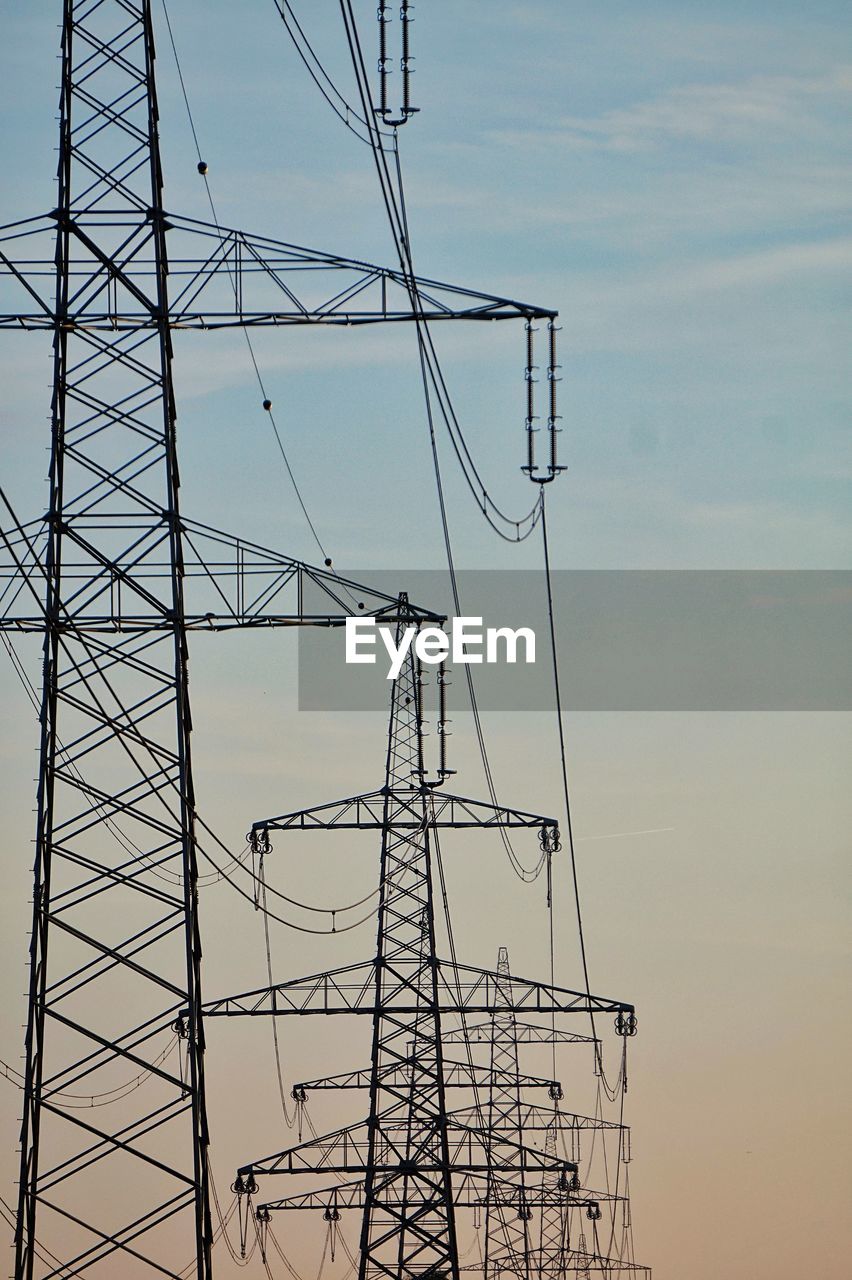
{"x":675,"y":179}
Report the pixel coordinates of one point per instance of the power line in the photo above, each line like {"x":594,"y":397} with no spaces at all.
{"x":400,"y":233}
{"x":395,"y":209}
{"x":267,"y":402}
{"x":345,"y":112}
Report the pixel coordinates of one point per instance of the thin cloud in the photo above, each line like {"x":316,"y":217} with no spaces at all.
{"x":701,"y":113}
{"x":763,"y":267}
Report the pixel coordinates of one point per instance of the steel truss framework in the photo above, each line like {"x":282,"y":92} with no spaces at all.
{"x":414,"y":1159}
{"x":507,"y":1233}
{"x":115,"y":576}
{"x":557,"y":1247}
{"x":221,"y":279}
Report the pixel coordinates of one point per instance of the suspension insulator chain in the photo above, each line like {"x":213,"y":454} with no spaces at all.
{"x":406,"y":70}
{"x":263,"y":1218}
{"x":443,"y":725}
{"x":553,"y":418}
{"x":536,"y":474}
{"x":244,"y":1186}
{"x":530,"y":379}
{"x":258,"y":841}
{"x":331,"y":1213}
{"x":548,"y":838}
{"x":258,"y":838}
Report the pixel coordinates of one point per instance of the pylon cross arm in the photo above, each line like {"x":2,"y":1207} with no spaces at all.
{"x":469,"y":989}
{"x":470,"y":1190}
{"x":462,"y":1075}
{"x":463,"y":989}
{"x":366,"y":812}
{"x":537,"y":1119}
{"x":229,"y":582}
{"x":471,"y":1150}
{"x":220,"y":278}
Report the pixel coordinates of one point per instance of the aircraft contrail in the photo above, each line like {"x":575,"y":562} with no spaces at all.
{"x":618,"y":835}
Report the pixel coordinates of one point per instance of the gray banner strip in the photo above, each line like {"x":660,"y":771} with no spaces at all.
{"x":629,"y":640}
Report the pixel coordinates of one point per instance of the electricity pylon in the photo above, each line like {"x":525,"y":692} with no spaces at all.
{"x":114,"y":577}
{"x":415,"y":1161}
{"x":556,"y":1246}
{"x":507,"y":1241}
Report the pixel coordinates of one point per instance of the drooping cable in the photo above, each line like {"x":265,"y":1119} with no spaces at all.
{"x":353,"y":1262}
{"x":289,"y":924}
{"x":343,"y":109}
{"x":552,"y":956}
{"x":451,"y":942}
{"x":619,"y":1163}
{"x":397,"y":217}
{"x":399,"y":230}
{"x":221,"y":1232}
{"x":394,"y":207}
{"x":41,"y":1251}
{"x":524,"y":873}
{"x":124,"y":840}
{"x":260,"y":1241}
{"x":277,"y":893}
{"x":528,"y":875}
{"x":566,"y":793}
{"x":239,"y":860}
{"x":282,"y":1255}
{"x":489,"y":508}
{"x":267,"y":402}
{"x":172,"y":786}
{"x":89,"y":1101}
{"x":288,"y":1119}
{"x":618,"y":1089}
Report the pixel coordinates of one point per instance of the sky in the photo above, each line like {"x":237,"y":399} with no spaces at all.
{"x":674,"y":178}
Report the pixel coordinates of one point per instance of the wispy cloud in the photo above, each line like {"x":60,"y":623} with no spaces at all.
{"x":712,"y":301}
{"x":764,"y":267}
{"x":735,"y":111}
{"x":673,"y":529}
{"x":713,"y":198}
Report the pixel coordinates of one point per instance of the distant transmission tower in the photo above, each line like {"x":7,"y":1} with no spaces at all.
{"x":507,"y":1230}
{"x":414,"y":1160}
{"x":555,"y":1246}
{"x":114,"y":577}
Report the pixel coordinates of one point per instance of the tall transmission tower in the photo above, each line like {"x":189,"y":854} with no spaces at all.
{"x":556,"y":1246}
{"x":507,"y":1236}
{"x":115,"y":577}
{"x":414,"y":1160}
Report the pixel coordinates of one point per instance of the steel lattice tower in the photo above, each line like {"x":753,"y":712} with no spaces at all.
{"x":556,"y":1247}
{"x":114,"y":577}
{"x":114,"y":708}
{"x":409,"y":1219}
{"x":507,"y":1244}
{"x":415,"y":1160}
